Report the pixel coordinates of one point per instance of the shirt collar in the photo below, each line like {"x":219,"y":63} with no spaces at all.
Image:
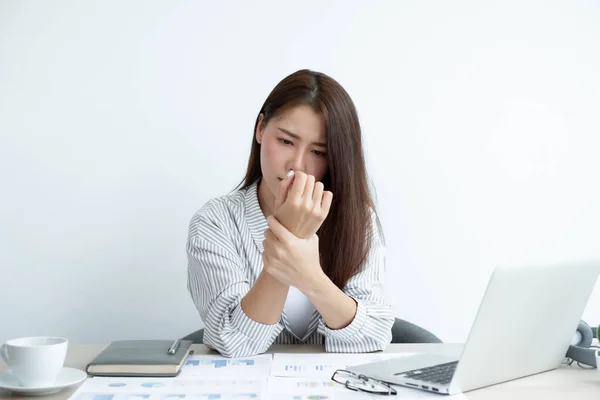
{"x":257,"y":223}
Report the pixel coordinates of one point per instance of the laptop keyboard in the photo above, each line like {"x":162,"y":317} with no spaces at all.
{"x":441,"y":373}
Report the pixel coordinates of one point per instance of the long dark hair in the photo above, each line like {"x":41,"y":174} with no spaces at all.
{"x":346,"y":234}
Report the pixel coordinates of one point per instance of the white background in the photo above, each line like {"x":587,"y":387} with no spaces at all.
{"x":119,"y":119}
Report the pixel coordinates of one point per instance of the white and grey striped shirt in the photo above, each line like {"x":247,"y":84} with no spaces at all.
{"x":224,"y":260}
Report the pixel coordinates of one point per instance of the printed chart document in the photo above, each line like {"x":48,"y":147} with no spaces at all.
{"x":104,"y":388}
{"x":264,"y":377}
{"x":202,"y":377}
{"x":322,"y":365}
{"x":219,"y":367}
{"x":280,"y":388}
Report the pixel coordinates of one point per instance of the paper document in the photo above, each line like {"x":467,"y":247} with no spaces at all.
{"x":102,"y":388}
{"x":202,"y":377}
{"x":305,"y":389}
{"x":322,"y":365}
{"x":279,"y":388}
{"x":213,"y":366}
{"x":279,"y":377}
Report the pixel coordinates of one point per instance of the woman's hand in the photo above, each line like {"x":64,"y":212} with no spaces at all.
{"x":289,"y":259}
{"x":303,"y":207}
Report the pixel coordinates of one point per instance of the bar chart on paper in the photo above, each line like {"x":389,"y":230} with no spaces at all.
{"x":212,"y":363}
{"x":315,"y":365}
{"x":320,"y":365}
{"x":312,"y":384}
{"x":285,"y":388}
{"x":213,"y":366}
{"x":306,"y":368}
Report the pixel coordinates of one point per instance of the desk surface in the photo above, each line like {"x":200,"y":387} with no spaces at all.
{"x":562,"y":383}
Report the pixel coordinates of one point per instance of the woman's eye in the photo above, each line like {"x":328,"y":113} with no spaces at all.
{"x":319,"y":153}
{"x":285,"y":141}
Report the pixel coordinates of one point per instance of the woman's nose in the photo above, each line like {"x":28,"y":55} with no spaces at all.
{"x":297,"y":163}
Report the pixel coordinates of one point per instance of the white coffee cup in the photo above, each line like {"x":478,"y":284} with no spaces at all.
{"x":35,"y":361}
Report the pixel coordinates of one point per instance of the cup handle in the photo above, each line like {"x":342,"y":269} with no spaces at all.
{"x":4,"y":353}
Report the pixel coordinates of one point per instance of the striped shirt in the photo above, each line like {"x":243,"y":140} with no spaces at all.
{"x":224,"y":251}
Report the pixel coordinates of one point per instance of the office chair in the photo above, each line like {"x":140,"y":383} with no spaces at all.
{"x":402,"y":332}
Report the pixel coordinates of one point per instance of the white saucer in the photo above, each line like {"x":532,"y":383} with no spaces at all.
{"x":67,"y":377}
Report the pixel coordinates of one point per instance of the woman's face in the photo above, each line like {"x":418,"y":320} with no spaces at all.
{"x":296,"y":139}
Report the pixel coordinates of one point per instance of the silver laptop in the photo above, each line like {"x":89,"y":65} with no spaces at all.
{"x":524,"y":326}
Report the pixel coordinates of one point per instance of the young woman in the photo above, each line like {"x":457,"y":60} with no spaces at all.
{"x":296,"y":255}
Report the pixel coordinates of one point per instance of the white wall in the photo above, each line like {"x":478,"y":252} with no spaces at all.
{"x":119,"y":119}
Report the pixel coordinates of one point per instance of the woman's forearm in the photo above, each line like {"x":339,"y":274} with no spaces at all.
{"x":336,"y":308}
{"x":264,"y":302}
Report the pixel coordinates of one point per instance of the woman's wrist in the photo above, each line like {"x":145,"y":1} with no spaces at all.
{"x":336,"y":308}
{"x":270,"y":280}
{"x":316,"y":285}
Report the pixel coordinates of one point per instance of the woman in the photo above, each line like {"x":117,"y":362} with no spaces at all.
{"x":296,"y":255}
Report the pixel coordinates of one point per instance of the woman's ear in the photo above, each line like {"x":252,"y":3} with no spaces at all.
{"x":260,"y":128}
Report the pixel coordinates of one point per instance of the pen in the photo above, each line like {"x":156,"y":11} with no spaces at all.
{"x":173,"y":347}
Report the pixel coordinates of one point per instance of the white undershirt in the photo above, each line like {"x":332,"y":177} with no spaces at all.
{"x":298,"y":310}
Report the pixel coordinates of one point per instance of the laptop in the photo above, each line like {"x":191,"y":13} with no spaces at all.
{"x":524,"y":326}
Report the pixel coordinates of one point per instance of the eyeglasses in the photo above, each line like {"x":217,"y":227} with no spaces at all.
{"x":363,"y":383}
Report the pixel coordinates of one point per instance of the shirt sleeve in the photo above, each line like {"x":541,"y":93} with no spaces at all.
{"x":217,"y":282}
{"x":371,"y":328}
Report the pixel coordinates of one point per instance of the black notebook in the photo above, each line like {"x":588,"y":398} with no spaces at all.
{"x":140,"y":358}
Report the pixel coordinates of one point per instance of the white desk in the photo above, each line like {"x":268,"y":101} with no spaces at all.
{"x":564,"y":383}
